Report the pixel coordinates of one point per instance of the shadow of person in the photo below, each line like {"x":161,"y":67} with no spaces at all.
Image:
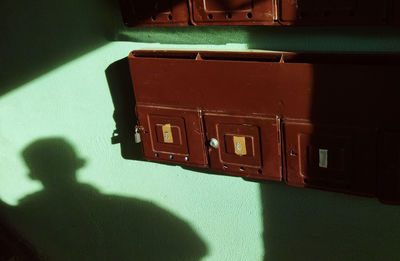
{"x":68,"y":220}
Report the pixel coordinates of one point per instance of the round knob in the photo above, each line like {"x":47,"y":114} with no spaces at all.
{"x":214,"y":143}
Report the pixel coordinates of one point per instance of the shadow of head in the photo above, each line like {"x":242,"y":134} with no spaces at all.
{"x":70,"y":215}
{"x":53,"y":161}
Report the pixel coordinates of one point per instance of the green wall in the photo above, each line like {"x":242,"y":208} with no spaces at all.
{"x":68,"y":190}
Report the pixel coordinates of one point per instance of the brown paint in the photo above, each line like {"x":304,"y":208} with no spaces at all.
{"x":232,"y":12}
{"x":262,"y":12}
{"x":289,"y":107}
{"x":151,"y":13}
{"x":187,"y":129}
{"x":352,"y":156}
{"x":339,"y":12}
{"x":263,"y":158}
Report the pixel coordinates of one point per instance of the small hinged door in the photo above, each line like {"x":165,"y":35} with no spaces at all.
{"x":172,"y":135}
{"x":247,"y":146}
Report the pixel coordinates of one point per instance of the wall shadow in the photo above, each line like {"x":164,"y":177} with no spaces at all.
{"x":278,"y":38}
{"x":123,"y":97}
{"x":215,"y":35}
{"x":12,"y":245}
{"x":305,"y":224}
{"x":38,"y":36}
{"x":324,"y":38}
{"x":68,"y":220}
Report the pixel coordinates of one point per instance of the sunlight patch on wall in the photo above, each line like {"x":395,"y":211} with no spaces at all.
{"x":73,"y":102}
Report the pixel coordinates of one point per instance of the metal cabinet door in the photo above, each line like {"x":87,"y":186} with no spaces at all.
{"x":247,"y":146}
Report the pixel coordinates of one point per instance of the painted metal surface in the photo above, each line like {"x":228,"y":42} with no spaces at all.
{"x":342,"y":12}
{"x":248,"y":146}
{"x":312,"y":120}
{"x":154,"y":13}
{"x":184,"y":144}
{"x":236,"y":12}
{"x":331,"y":156}
{"x":389,"y":172}
{"x":263,"y":12}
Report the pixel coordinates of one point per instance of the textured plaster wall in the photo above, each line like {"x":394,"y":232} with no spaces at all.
{"x":73,"y":102}
{"x":215,"y":217}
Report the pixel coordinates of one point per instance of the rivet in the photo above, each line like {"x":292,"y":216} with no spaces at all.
{"x":186,"y":158}
{"x":171,"y":157}
{"x":156,"y":155}
{"x":214,"y":143}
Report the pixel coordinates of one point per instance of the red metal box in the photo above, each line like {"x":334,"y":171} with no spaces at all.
{"x":172,"y":135}
{"x":389,"y":172}
{"x":331,"y":157}
{"x":154,"y":12}
{"x":315,"y":120}
{"x":339,"y":12}
{"x":236,"y":12}
{"x":263,"y":12}
{"x":248,"y":146}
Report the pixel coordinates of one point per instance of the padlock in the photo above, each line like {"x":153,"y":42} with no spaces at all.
{"x":137,"y":135}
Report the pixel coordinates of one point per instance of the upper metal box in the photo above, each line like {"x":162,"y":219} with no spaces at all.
{"x":235,"y":12}
{"x":154,"y":12}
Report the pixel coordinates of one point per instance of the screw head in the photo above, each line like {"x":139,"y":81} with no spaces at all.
{"x":156,"y":155}
{"x":186,"y":158}
{"x":171,"y":157}
{"x":214,"y":143}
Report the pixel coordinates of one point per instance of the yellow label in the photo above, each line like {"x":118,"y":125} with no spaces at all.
{"x":239,"y":143}
{"x":167,"y":133}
